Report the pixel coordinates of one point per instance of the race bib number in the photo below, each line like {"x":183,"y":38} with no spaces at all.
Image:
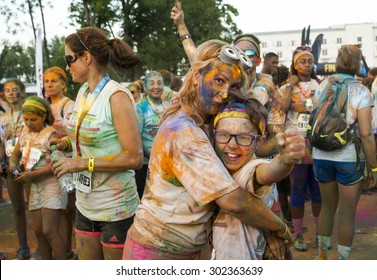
{"x":34,"y":156}
{"x":302,"y":121}
{"x":9,"y":146}
{"x":83,"y":181}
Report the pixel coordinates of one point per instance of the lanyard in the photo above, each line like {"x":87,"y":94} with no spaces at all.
{"x":306,"y":93}
{"x":14,"y":125}
{"x":85,"y":104}
{"x":29,"y":145}
{"x":154,"y":107}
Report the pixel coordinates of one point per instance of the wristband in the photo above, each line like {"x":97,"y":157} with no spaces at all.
{"x":91,"y":164}
{"x":282,"y":234}
{"x":374,"y":169}
{"x":184,"y":37}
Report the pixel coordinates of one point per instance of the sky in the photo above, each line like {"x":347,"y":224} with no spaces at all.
{"x":270,"y":15}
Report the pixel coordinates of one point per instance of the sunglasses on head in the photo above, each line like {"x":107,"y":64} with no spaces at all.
{"x":250,"y":53}
{"x":304,"y":48}
{"x":69,"y":59}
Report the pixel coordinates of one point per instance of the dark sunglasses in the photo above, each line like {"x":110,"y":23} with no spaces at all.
{"x":250,"y":53}
{"x":69,"y":59}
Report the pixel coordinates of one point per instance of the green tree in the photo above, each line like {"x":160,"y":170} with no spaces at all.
{"x":146,"y":25}
{"x":17,"y":62}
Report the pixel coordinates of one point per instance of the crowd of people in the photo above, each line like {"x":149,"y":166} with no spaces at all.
{"x":213,"y":166}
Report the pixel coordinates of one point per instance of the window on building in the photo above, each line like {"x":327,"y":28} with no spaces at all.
{"x":278,"y":43}
{"x":294,"y":43}
{"x":324,"y":52}
{"x":324,"y":41}
{"x":375,"y":39}
{"x":280,"y":54}
{"x":264,"y":44}
{"x":359,"y":39}
{"x":339,"y":40}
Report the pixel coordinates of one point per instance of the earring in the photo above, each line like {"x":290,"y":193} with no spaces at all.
{"x":224,"y":95}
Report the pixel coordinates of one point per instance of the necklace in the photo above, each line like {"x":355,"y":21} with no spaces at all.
{"x":306,"y":93}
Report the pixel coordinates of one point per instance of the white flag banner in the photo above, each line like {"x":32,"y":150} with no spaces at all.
{"x":39,"y":62}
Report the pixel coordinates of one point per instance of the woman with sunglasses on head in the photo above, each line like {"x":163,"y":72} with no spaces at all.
{"x":239,"y":129}
{"x":298,"y":96}
{"x":259,"y":85}
{"x":104,"y":137}
{"x":13,"y":122}
{"x":55,"y":85}
{"x":186,"y":180}
{"x":341,"y":172}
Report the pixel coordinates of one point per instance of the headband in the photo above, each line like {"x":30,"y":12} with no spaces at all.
{"x":33,"y":103}
{"x":298,"y":55}
{"x":250,"y":40}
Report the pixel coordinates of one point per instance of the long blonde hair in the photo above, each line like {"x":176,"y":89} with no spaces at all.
{"x":188,"y":98}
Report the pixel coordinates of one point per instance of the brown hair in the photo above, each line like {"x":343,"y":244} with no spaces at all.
{"x":188,"y":97}
{"x":34,"y":110}
{"x":348,"y":60}
{"x":60,"y":73}
{"x":95,"y":41}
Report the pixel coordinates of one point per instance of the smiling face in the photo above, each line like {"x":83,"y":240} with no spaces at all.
{"x":233,"y":155}
{"x":12,"y":93}
{"x":33,"y":121}
{"x":218,"y":82}
{"x":154,"y":87}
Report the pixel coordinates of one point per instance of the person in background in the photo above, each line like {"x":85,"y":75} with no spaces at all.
{"x":13,"y":123}
{"x":2,"y":173}
{"x":55,"y":85}
{"x":135,"y":89}
{"x":104,"y":137}
{"x":186,"y":179}
{"x":149,"y":113}
{"x":143,"y":95}
{"x":239,"y":129}
{"x":298,"y":96}
{"x":168,"y":92}
{"x":339,"y":173}
{"x":270,"y":62}
{"x":31,"y":157}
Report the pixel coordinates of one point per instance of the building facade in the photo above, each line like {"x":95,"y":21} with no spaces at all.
{"x":284,"y":43}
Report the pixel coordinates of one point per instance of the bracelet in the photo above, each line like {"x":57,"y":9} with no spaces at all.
{"x":69,"y":147}
{"x":282,"y":235}
{"x":91,"y":164}
{"x":184,"y":37}
{"x":374,"y":169}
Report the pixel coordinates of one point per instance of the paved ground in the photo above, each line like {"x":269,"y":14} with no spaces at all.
{"x":364,"y":245}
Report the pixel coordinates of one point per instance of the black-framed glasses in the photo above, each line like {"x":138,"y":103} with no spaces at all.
{"x":241,"y":139}
{"x":250,"y":53}
{"x":69,"y":59}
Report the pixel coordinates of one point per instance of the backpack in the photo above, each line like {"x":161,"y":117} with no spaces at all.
{"x":327,"y":129}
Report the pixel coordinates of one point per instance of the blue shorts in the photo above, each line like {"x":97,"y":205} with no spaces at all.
{"x":346,"y":173}
{"x":112,"y":234}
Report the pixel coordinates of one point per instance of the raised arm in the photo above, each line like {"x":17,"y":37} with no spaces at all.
{"x":184,"y":36}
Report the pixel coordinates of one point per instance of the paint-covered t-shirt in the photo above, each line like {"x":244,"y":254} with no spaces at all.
{"x":62,"y":111}
{"x":114,"y":196}
{"x":232,"y":239}
{"x":359,"y":97}
{"x":13,"y":123}
{"x":265,"y":91}
{"x":149,"y":122}
{"x":185,"y":178}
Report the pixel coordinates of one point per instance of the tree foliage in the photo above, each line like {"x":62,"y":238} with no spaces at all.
{"x":144,"y":24}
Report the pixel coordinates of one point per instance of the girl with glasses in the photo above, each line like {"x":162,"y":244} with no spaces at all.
{"x":239,"y":129}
